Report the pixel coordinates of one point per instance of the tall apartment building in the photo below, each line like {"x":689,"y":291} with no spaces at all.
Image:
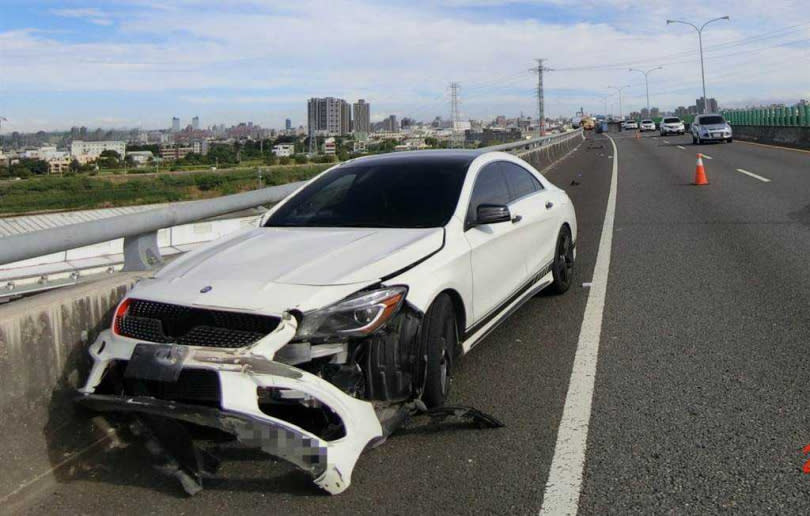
{"x":287,"y":124}
{"x":175,"y":124}
{"x":195,"y":123}
{"x":710,"y":108}
{"x":390,"y":123}
{"x":361,"y":122}
{"x":328,"y":115}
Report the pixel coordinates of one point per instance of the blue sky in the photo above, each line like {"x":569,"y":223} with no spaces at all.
{"x":137,"y":63}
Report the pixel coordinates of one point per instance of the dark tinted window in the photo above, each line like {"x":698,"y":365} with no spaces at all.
{"x":413,"y":194}
{"x":711,"y":120}
{"x":519,"y":180}
{"x":490,"y":188}
{"x":671,"y":120}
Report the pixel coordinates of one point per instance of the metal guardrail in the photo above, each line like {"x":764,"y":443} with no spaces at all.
{"x":139,"y":230}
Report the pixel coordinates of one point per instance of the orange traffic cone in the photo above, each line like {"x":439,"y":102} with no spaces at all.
{"x":700,"y":172}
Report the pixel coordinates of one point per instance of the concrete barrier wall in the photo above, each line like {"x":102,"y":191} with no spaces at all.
{"x":43,"y":358}
{"x":798,"y":137}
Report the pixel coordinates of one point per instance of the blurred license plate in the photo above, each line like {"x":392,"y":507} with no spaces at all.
{"x":161,"y":362}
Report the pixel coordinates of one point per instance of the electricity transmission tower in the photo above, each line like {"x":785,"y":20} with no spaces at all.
{"x":541,"y":108}
{"x":454,"y":114}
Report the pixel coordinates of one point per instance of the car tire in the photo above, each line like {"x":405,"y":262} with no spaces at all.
{"x":562,"y":268}
{"x":439,"y":337}
{"x":730,"y":140}
{"x":694,"y":140}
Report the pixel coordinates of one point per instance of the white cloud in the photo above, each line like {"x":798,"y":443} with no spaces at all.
{"x":89,"y":14}
{"x":401,"y":56}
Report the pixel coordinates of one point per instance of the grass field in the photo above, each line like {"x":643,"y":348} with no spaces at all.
{"x":107,"y":191}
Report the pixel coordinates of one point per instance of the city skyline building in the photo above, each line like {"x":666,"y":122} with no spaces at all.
{"x":711,"y":108}
{"x":328,"y":115}
{"x":195,"y":123}
{"x":362,"y":117}
{"x":175,"y":124}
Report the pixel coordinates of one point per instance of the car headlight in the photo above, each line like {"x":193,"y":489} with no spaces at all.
{"x":356,"y":316}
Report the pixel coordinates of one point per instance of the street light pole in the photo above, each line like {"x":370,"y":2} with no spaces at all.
{"x":700,"y":42}
{"x":621,"y":113}
{"x":647,"y":83}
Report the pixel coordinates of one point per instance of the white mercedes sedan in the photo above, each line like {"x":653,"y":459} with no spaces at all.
{"x":309,"y":336}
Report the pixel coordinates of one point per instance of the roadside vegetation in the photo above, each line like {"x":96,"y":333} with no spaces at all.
{"x":82,"y":191}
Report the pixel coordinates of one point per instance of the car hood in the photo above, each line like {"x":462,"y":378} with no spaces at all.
{"x":275,"y":269}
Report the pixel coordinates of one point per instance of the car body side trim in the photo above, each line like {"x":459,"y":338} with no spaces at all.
{"x":498,"y":311}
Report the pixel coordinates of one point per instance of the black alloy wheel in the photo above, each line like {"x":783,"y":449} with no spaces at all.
{"x":562,"y":268}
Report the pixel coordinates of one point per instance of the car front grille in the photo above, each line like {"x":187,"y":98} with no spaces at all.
{"x":167,"y":323}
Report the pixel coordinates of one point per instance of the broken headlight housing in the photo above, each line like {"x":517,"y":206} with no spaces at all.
{"x":356,"y":316}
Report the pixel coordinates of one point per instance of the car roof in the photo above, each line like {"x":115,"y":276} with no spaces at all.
{"x":452,"y":157}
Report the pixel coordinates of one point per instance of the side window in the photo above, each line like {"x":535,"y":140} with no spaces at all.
{"x":520,"y":181}
{"x":490,"y":188}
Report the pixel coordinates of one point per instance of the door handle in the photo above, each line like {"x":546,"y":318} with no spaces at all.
{"x":549,"y":205}
{"x":516,"y":219}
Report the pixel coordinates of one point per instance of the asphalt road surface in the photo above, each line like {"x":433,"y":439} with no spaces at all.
{"x":701,"y":389}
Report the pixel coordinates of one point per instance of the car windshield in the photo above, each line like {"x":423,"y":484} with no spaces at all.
{"x":672,"y":120}
{"x":712,"y":120}
{"x":404,"y":194}
{"x":647,"y":122}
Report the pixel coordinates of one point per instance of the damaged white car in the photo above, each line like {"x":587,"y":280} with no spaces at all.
{"x":313,"y":335}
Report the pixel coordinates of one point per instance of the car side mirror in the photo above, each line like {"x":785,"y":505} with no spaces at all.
{"x":492,"y":214}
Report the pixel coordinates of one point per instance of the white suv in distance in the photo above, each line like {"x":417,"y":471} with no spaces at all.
{"x":672,"y":125}
{"x":711,"y":128}
{"x":647,"y":125}
{"x":629,"y":124}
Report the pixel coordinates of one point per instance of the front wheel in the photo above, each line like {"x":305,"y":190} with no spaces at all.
{"x":730,"y":140}
{"x":562,"y":269}
{"x":439,"y":337}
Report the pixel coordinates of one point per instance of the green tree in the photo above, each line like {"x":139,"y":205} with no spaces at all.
{"x":109,"y":159}
{"x":75,"y":166}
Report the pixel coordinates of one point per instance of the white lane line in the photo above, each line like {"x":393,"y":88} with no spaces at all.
{"x":666,"y":141}
{"x":705,"y":156}
{"x":682,"y":148}
{"x":747,"y":173}
{"x":565,"y":476}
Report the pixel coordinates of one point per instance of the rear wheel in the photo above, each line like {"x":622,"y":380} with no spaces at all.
{"x":439,"y":339}
{"x":562,"y":269}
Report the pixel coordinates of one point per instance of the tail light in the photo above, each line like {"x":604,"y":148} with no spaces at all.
{"x":120,"y":313}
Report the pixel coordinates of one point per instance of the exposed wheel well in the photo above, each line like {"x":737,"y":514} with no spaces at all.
{"x":461,"y":315}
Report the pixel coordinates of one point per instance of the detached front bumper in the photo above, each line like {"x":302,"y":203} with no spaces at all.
{"x":241,"y":375}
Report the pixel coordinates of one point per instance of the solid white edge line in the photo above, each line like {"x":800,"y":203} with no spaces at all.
{"x":565,"y":475}
{"x":705,"y":156}
{"x":682,"y":148}
{"x":747,"y":173}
